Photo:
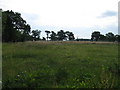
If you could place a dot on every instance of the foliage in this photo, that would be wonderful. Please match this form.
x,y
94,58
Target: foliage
x,y
62,35
117,38
53,36
102,37
47,32
14,27
95,35
110,36
70,35
36,34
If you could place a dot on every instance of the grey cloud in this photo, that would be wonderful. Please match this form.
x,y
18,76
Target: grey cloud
x,y
108,14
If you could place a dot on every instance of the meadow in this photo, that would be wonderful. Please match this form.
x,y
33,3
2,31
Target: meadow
x,y
60,64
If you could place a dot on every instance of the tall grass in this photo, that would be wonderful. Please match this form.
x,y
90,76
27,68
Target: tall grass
x,y
60,65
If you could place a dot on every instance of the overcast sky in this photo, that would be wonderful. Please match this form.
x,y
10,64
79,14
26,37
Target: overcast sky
x,y
82,17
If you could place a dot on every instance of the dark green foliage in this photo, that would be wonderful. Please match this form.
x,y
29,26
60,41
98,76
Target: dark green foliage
x,y
14,27
53,36
110,36
47,32
117,38
95,36
36,34
102,37
70,35
61,35
30,80
43,39
115,69
61,75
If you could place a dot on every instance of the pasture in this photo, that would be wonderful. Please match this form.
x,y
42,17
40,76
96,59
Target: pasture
x,y
60,64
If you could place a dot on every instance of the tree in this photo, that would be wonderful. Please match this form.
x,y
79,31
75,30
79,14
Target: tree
x,y
102,37
26,33
47,32
8,32
43,39
70,35
117,38
110,36
36,34
14,27
61,35
53,36
95,36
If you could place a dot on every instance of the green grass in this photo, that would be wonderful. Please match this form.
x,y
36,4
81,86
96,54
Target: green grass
x,y
60,65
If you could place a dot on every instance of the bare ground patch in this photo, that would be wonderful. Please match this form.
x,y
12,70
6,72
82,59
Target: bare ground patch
x,y
71,42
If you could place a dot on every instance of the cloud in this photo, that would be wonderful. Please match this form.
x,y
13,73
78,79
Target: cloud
x,y
108,14
79,16
31,18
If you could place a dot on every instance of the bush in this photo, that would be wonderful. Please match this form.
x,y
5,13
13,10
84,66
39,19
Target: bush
x,y
30,80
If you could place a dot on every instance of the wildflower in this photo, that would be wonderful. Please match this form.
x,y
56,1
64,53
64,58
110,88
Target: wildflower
x,y
18,75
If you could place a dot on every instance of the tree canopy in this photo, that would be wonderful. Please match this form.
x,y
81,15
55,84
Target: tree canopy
x,y
96,36
14,27
36,34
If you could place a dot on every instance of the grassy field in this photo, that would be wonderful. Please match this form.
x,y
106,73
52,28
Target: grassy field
x,y
60,65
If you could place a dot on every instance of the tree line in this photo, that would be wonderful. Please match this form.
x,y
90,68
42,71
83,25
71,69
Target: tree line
x,y
16,29
51,35
97,36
